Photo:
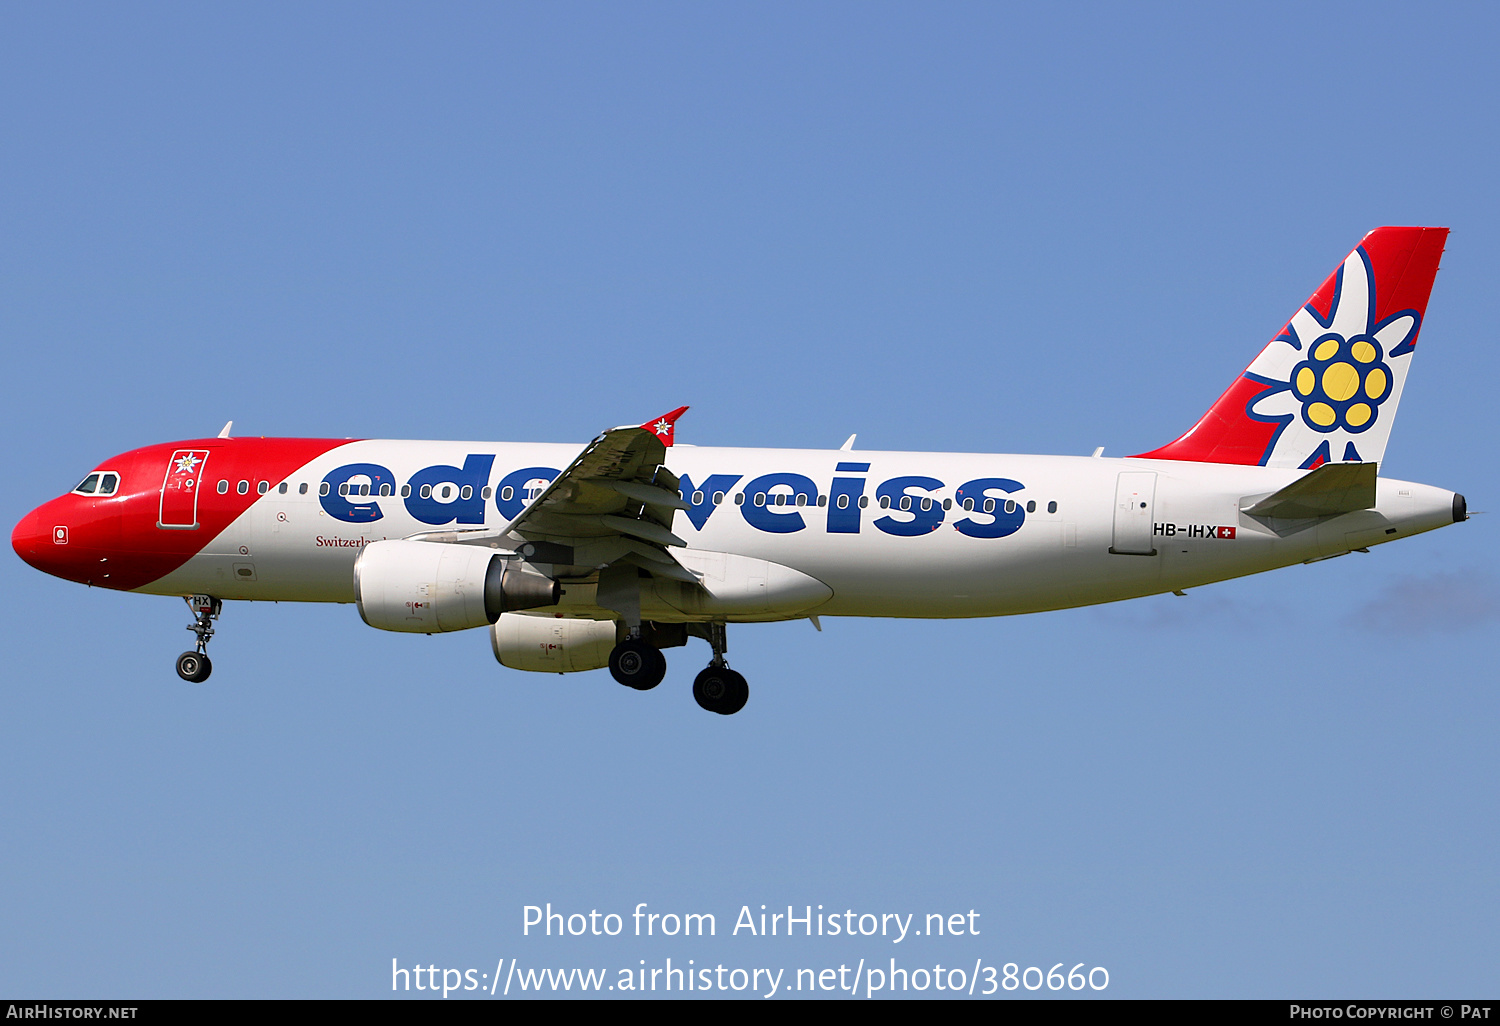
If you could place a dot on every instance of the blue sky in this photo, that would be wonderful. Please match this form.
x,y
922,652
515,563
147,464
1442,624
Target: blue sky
x,y
973,227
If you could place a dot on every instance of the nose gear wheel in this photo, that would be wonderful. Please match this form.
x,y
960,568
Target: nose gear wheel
x,y
194,667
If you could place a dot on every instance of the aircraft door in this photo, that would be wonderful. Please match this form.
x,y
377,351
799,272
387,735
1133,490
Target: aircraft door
x,y
1135,496
179,490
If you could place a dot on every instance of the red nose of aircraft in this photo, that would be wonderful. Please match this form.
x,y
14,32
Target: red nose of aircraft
x,y
29,538
56,540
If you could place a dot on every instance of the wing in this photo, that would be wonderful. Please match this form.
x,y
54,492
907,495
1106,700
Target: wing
x,y
614,503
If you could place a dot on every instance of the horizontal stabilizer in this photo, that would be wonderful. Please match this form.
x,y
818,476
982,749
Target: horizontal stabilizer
x,y
1331,489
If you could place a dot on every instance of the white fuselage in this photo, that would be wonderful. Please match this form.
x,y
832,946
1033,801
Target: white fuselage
x,y
1072,536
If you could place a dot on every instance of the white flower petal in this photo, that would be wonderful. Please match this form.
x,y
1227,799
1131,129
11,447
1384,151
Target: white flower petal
x,y
1396,332
1353,314
1277,360
1277,404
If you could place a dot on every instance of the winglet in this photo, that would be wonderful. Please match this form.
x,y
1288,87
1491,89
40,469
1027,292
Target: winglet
x,y
225,432
665,426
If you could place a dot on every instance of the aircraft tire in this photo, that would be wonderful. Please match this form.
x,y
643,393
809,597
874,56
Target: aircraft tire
x,y
194,667
721,690
637,664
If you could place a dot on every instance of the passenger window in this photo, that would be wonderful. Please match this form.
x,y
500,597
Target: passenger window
x,y
87,485
302,488
466,492
385,489
107,484
885,502
760,498
843,502
864,502
781,500
926,504
822,501
697,498
406,491
364,489
263,487
969,505
989,505
739,498
1051,507
718,498
947,503
506,494
323,488
447,491
344,488
1031,506
243,487
426,491
281,488
486,493
1010,505
905,502
223,487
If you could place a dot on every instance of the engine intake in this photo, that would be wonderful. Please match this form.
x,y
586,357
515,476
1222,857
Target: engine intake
x,y
427,587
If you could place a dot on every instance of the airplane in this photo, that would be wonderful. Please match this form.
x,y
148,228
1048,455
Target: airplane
x,y
576,560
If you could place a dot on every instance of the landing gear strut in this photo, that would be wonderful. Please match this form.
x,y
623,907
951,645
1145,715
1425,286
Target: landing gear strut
x,y
637,663
194,667
718,688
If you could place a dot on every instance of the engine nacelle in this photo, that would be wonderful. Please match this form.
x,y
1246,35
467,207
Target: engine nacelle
x,y
426,587
550,645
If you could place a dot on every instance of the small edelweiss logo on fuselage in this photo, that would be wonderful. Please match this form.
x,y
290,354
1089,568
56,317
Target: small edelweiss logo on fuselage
x,y
185,464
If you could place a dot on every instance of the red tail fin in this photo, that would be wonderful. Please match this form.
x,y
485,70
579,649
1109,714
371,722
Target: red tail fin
x,y
1326,388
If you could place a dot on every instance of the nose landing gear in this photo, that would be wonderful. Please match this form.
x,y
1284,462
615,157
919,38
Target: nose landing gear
x,y
194,667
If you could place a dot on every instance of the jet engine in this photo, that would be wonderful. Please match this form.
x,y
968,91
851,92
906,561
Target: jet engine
x,y
426,587
552,645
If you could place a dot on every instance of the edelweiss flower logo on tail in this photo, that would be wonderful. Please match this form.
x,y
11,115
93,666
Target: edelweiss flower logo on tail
x,y
1327,387
1330,376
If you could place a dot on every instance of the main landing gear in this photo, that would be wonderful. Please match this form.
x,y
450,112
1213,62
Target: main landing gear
x,y
718,688
637,663
194,667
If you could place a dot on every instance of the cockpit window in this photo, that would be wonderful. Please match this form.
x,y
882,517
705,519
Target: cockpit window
x,y
100,482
